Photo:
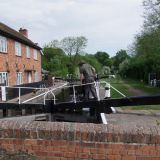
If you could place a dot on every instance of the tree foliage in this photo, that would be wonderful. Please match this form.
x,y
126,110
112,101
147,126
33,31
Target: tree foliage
x,y
151,15
146,50
63,60
73,46
103,58
121,56
54,60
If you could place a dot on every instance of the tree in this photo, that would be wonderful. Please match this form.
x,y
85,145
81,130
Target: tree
x,y
123,67
80,44
120,57
103,58
146,47
52,52
89,58
68,45
147,44
73,45
105,70
53,44
55,61
151,14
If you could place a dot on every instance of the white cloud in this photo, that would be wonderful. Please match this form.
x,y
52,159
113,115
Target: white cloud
x,y
109,25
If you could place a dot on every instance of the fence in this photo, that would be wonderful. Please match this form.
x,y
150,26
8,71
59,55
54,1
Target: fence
x,y
155,83
102,91
11,93
64,92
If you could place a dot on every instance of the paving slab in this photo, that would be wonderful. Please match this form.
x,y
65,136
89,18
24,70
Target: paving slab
x,y
134,118
138,112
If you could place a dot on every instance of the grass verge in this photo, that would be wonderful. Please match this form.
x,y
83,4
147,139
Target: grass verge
x,y
119,84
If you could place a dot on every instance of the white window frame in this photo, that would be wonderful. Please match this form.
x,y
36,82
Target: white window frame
x,y
35,54
28,54
18,50
3,44
19,78
4,78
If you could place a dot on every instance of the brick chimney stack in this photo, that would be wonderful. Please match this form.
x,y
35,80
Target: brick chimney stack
x,y
24,32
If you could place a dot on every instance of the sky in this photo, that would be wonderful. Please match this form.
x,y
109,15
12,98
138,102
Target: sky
x,y
109,25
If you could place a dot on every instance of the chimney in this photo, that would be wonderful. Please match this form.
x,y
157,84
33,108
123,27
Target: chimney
x,y
24,32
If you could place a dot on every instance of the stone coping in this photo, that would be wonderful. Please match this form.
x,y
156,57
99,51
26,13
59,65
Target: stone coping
x,y
80,132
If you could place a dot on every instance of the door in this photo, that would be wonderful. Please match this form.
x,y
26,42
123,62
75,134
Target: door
x,y
29,77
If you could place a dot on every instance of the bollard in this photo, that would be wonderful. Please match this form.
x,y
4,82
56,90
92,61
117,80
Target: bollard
x,y
3,90
108,91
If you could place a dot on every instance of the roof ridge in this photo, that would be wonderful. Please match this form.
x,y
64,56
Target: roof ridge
x,y
16,35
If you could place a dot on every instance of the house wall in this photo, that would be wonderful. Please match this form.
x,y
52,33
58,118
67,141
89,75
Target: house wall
x,y
23,63
75,141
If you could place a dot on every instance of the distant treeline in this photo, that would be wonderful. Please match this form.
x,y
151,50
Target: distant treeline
x,y
145,50
62,58
143,57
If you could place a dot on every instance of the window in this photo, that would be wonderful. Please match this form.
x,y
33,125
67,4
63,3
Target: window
x,y
35,54
36,77
19,78
3,44
27,52
18,48
4,78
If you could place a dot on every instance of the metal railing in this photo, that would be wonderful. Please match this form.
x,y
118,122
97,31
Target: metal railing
x,y
27,88
102,85
45,93
110,86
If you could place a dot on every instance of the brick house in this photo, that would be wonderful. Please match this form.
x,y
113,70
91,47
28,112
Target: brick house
x,y
20,58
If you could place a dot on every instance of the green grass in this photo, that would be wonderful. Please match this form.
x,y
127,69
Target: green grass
x,y
142,86
119,84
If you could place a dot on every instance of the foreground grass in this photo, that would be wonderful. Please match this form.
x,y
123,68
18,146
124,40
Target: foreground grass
x,y
122,88
142,86
119,84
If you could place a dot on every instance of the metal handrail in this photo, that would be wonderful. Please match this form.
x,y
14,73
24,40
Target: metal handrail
x,y
25,87
44,94
65,85
19,90
59,87
74,90
114,88
34,97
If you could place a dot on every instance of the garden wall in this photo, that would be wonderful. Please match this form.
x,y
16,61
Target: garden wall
x,y
73,141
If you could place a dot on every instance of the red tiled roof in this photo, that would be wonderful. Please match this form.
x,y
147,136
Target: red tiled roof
x,y
11,33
